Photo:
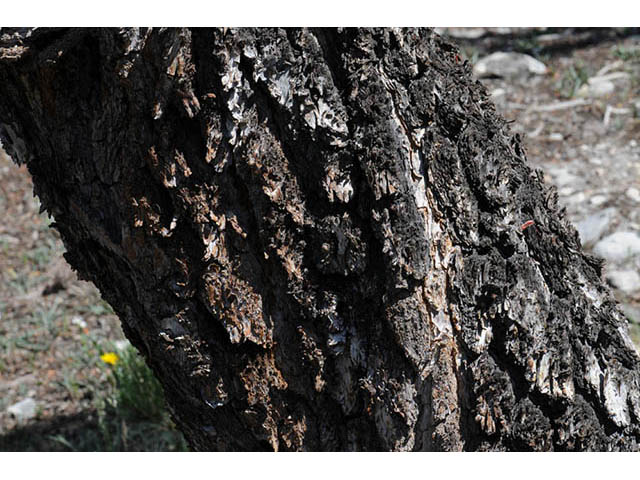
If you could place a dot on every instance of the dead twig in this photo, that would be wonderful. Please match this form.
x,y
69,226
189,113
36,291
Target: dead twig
x,y
579,102
613,110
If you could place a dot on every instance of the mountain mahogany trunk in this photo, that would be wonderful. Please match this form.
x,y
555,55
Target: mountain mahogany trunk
x,y
320,239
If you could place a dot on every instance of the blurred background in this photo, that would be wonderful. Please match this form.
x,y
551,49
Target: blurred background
x,y
70,381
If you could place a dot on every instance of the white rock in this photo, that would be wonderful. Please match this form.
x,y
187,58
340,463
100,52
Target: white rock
x,y
626,280
23,410
618,246
509,65
598,200
592,227
602,85
556,137
633,194
598,88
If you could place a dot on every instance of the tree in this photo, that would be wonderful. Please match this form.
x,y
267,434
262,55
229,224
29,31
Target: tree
x,y
320,239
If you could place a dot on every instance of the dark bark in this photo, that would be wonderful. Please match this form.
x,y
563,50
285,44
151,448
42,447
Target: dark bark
x,y
314,237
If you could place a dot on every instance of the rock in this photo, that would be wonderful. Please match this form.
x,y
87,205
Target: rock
x,y
598,200
23,410
626,280
556,137
633,194
509,65
601,85
596,89
618,246
592,227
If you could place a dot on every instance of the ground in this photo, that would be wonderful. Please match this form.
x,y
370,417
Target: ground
x,y
54,328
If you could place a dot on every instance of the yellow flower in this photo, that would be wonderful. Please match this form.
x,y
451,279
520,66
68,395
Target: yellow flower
x,y
110,358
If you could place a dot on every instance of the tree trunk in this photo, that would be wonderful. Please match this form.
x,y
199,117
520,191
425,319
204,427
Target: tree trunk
x,y
320,239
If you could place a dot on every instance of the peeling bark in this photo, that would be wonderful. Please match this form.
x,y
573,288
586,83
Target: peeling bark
x,y
320,239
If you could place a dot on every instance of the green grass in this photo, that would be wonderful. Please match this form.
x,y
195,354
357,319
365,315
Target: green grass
x,y
130,407
627,54
40,256
132,413
100,308
572,79
138,393
528,45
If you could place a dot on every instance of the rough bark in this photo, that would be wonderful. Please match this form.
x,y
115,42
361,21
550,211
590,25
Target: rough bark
x,y
315,238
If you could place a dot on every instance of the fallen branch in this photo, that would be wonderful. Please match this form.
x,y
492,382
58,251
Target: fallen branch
x,y
579,102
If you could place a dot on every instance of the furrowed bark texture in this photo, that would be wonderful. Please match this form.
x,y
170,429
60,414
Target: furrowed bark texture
x,y
314,237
